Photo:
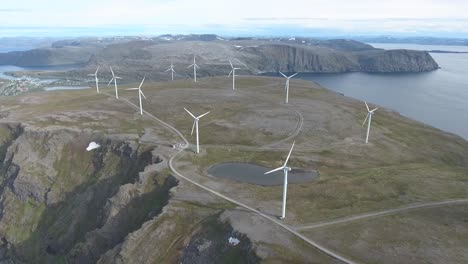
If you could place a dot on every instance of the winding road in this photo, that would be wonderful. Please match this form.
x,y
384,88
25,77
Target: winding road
x,y
272,219
381,213
290,229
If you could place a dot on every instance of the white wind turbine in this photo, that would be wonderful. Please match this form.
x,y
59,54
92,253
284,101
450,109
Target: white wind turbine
x,y
285,169
369,116
195,66
233,72
140,93
195,125
172,71
287,84
114,78
97,80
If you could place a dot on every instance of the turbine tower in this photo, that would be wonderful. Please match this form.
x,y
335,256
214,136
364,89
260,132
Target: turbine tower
x,y
140,93
114,78
195,66
97,80
195,125
285,169
172,71
233,71
369,116
287,84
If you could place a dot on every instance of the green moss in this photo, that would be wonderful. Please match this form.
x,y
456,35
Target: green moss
x,y
25,219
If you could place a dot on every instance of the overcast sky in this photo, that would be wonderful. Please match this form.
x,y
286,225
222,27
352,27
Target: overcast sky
x,y
354,17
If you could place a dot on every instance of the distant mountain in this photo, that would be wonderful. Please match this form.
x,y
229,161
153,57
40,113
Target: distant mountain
x,y
135,56
414,40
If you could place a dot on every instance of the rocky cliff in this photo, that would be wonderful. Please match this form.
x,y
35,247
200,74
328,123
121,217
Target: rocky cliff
x,y
135,58
62,204
396,61
59,202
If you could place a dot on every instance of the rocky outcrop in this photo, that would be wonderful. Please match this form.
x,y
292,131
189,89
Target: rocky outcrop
x,y
48,56
210,244
305,59
288,58
59,202
396,61
150,58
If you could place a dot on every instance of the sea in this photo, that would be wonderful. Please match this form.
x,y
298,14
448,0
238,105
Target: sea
x,y
438,98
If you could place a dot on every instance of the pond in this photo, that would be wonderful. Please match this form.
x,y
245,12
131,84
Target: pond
x,y
255,174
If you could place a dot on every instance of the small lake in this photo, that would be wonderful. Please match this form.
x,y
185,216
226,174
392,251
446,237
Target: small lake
x,y
255,174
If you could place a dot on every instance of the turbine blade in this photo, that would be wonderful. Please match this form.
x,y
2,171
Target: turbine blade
x,y
197,66
365,119
230,62
289,155
97,70
167,70
139,87
131,89
203,115
91,74
190,113
143,95
193,127
366,106
283,75
230,73
190,66
372,111
117,77
277,169
112,71
293,75
110,81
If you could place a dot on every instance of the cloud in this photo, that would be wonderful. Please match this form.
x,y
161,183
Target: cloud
x,y
14,10
355,16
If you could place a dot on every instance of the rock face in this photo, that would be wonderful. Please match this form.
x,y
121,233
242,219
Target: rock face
x,y
60,202
396,61
150,57
211,245
273,58
48,56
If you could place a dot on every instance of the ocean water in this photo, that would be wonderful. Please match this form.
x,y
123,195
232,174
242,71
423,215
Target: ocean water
x,y
438,98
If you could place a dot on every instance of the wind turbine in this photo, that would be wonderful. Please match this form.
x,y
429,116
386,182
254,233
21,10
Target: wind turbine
x,y
195,125
369,115
97,80
195,66
287,84
114,78
172,71
233,71
140,93
285,169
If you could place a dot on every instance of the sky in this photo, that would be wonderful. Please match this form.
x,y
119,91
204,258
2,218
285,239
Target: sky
x,y
236,17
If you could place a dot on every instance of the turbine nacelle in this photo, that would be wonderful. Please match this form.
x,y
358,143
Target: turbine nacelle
x,y
114,78
285,170
195,125
139,88
284,167
288,77
369,112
